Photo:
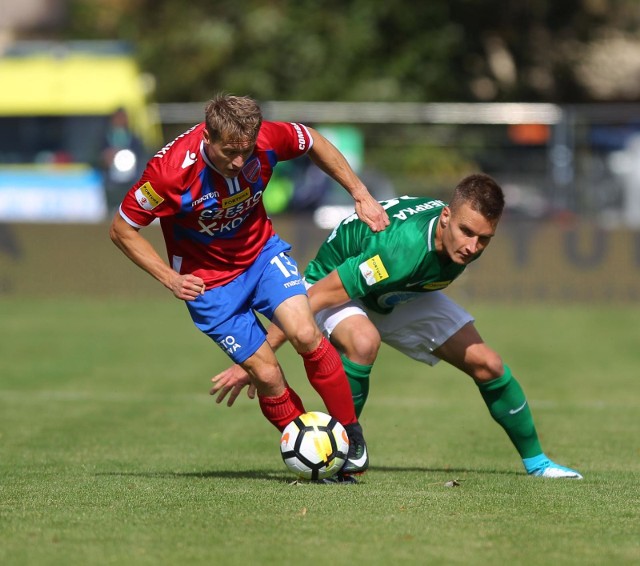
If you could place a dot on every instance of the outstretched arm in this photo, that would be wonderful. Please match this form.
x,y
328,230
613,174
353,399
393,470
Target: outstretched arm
x,y
143,254
328,292
328,158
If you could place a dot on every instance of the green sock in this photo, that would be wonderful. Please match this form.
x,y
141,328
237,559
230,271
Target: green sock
x,y
358,376
509,408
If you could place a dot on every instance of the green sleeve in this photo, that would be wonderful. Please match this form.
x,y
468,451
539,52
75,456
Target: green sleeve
x,y
384,264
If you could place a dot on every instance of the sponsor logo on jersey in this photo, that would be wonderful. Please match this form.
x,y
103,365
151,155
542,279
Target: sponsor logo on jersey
x,y
251,170
390,300
215,220
189,159
302,142
208,196
147,198
373,270
237,198
436,285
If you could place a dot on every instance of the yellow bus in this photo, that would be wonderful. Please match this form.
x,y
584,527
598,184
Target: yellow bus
x,y
58,108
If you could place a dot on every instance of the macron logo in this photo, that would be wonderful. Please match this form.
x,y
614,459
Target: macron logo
x,y
189,159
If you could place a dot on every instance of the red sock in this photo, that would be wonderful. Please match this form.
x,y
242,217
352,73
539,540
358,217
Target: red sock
x,y
327,377
280,411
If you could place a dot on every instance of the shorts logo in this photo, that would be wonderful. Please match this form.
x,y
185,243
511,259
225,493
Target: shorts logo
x,y
251,170
373,270
293,283
229,344
147,198
236,199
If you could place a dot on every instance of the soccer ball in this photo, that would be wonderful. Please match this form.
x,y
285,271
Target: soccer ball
x,y
314,446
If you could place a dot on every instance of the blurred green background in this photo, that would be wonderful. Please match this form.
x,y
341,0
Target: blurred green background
x,y
545,96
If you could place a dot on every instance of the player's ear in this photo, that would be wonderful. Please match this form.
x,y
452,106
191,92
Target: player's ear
x,y
206,136
445,216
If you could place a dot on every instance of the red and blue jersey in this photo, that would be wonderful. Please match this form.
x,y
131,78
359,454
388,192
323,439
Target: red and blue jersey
x,y
214,227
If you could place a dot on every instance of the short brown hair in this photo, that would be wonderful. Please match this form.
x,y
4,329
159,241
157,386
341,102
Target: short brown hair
x,y
482,193
233,118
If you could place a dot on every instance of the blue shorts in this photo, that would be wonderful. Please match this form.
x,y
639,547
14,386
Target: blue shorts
x,y
227,314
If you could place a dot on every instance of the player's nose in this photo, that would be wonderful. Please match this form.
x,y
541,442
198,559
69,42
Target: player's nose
x,y
238,162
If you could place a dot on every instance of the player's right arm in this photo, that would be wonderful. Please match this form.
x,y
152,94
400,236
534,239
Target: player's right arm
x,y
330,160
328,292
140,251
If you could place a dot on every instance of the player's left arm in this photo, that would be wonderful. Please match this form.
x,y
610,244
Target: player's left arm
x,y
328,158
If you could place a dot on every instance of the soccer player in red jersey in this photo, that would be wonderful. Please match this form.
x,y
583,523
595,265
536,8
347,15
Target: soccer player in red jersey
x,y
226,261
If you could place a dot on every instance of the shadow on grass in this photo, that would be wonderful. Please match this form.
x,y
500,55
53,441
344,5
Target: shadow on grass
x,y
413,469
221,474
287,478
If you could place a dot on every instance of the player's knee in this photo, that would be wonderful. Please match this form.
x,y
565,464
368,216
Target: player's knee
x,y
270,376
306,337
488,367
363,346
266,375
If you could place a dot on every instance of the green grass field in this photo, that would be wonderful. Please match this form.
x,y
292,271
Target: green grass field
x,y
112,451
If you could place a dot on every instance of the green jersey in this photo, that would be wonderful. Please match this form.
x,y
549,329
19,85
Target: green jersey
x,y
383,269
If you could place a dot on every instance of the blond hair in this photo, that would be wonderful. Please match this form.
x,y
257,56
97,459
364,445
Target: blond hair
x,y
233,118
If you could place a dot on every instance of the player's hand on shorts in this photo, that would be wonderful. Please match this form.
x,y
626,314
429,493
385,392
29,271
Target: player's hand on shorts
x,y
231,382
187,287
370,211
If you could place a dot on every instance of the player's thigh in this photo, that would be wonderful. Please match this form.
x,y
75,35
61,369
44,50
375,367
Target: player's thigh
x,y
457,349
467,351
277,279
295,319
419,327
357,338
350,331
328,319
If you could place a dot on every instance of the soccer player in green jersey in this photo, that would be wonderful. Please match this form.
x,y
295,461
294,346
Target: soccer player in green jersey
x,y
367,288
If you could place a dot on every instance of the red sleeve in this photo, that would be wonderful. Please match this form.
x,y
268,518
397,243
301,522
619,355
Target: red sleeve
x,y
151,197
159,191
288,139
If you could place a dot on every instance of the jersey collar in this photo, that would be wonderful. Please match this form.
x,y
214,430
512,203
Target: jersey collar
x,y
431,234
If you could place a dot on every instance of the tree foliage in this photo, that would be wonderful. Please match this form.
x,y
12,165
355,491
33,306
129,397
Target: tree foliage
x,y
375,50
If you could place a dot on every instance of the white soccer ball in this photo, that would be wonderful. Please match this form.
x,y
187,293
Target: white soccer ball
x,y
314,446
